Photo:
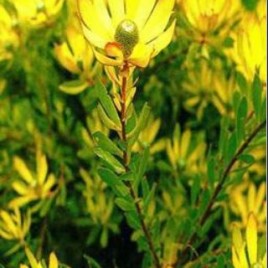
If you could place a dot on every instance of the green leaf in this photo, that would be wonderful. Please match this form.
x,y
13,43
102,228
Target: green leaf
x,y
204,201
91,262
110,159
257,96
263,110
223,135
250,4
247,158
109,177
106,120
107,104
262,246
131,122
148,198
241,115
242,83
113,181
236,100
104,237
73,87
106,144
221,262
232,146
211,164
141,167
124,204
195,189
133,220
141,124
129,176
145,187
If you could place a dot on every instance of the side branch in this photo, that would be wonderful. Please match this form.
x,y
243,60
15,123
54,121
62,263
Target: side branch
x,y
218,189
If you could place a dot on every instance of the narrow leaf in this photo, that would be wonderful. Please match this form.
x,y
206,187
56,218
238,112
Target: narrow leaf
x,y
106,120
211,171
240,119
125,204
113,181
73,87
106,144
107,104
247,158
257,96
109,159
142,121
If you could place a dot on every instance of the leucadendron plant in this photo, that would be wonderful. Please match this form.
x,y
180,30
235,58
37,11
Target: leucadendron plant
x,y
125,36
132,133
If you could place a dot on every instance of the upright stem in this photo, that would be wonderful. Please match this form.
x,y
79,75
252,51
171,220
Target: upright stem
x,y
125,162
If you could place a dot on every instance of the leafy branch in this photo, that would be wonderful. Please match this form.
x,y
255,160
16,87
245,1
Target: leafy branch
x,y
218,189
125,162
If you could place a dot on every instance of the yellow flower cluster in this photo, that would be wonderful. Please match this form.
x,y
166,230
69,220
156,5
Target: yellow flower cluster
x,y
245,251
250,42
99,206
74,55
8,41
147,138
181,155
126,31
246,198
34,263
207,84
8,36
37,12
208,16
13,226
32,186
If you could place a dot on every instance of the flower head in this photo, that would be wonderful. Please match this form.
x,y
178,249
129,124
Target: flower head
x,y
37,12
182,154
34,263
147,137
32,186
245,251
8,36
13,226
249,51
246,198
74,54
208,16
126,31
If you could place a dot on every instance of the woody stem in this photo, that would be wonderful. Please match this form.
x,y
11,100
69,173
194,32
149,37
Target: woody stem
x,y
125,162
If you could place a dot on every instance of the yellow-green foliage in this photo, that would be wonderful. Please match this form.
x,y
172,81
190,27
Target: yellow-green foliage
x,y
132,133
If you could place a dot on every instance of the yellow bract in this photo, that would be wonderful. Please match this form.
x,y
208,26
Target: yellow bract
x,y
207,84
245,250
246,198
8,36
34,263
147,138
127,31
181,155
32,186
207,16
37,12
13,226
99,205
75,55
249,49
